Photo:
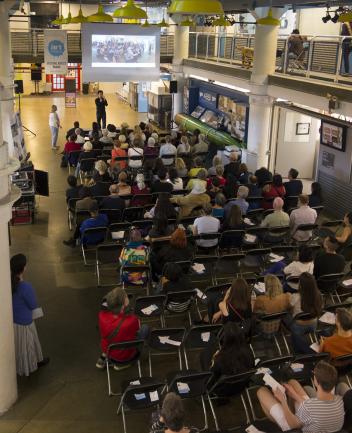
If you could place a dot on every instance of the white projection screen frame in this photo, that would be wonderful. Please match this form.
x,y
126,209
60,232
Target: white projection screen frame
x,y
120,52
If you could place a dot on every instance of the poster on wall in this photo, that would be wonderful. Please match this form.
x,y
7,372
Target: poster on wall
x,y
18,137
333,135
55,52
70,99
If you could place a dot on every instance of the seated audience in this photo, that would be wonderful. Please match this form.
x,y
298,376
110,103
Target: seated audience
x,y
86,200
88,152
201,145
99,189
74,189
72,146
304,263
233,167
150,149
219,171
273,300
244,174
163,206
172,417
118,316
95,132
135,149
124,188
346,236
303,215
71,131
138,189
137,133
294,186
157,165
134,253
315,197
167,148
194,137
113,201
112,133
161,228
263,176
105,139
214,188
328,261
278,218
79,137
313,411
184,146
340,343
233,221
181,167
206,224
195,199
273,190
254,189
118,152
162,184
197,166
201,177
216,161
175,180
123,140
233,357
218,207
175,280
101,174
240,201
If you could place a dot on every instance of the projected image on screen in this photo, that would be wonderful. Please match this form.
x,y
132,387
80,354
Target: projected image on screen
x,y
121,51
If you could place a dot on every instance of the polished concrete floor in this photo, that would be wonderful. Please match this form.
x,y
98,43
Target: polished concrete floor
x,y
69,395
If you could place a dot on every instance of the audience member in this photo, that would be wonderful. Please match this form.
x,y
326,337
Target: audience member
x,y
138,189
95,132
216,161
118,152
88,153
135,151
233,167
273,300
174,279
197,165
195,199
28,350
124,187
244,174
201,177
71,131
167,149
134,253
294,186
101,174
150,149
278,218
79,137
206,224
184,146
161,184
201,145
113,201
328,261
86,200
218,207
105,139
112,133
303,215
72,146
163,206
240,201
161,228
263,176
304,263
175,180
74,189
315,411
254,189
340,343
181,167
273,190
315,197
345,238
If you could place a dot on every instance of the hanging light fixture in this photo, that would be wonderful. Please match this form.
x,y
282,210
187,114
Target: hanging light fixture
x,y
196,7
146,24
221,22
79,18
269,20
69,16
345,17
100,16
58,21
163,23
131,11
187,23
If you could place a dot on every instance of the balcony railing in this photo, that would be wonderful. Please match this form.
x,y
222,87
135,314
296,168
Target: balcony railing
x,y
321,58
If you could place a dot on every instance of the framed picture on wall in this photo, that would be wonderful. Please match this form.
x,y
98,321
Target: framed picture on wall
x,y
333,135
302,128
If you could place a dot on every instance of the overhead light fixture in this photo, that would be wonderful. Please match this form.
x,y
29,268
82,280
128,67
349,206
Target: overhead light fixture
x,y
221,22
196,7
100,16
58,21
327,17
335,18
146,24
163,23
67,20
130,11
79,18
269,20
187,23
345,17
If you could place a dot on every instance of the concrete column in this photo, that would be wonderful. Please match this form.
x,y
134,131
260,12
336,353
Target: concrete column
x,y
6,74
258,131
181,41
8,384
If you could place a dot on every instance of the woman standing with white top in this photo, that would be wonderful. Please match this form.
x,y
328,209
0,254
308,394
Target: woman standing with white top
x,y
54,123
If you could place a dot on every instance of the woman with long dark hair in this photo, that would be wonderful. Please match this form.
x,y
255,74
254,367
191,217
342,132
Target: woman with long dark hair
x,y
316,196
271,191
29,355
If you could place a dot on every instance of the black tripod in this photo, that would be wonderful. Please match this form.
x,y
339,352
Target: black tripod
x,y
19,109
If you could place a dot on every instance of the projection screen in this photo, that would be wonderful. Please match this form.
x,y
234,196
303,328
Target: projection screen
x,y
120,52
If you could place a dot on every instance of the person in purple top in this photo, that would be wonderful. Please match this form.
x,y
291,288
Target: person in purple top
x,y
28,349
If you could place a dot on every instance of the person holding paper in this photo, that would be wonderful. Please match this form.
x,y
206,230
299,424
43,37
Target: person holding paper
x,y
318,410
341,342
29,356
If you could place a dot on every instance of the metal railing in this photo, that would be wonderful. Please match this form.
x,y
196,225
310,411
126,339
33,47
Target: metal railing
x,y
30,44
322,56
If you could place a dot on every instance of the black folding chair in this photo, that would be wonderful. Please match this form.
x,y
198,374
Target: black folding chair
x,y
343,365
191,385
136,345
228,266
308,230
255,215
269,325
166,341
71,208
86,167
180,303
258,232
256,259
72,159
329,283
309,361
149,308
209,263
114,215
231,239
131,214
230,386
133,288
138,397
207,237
88,243
288,251
107,259
200,336
276,235
118,230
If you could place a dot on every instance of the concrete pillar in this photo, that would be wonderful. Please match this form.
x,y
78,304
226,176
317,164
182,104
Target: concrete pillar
x,y
6,74
8,384
181,41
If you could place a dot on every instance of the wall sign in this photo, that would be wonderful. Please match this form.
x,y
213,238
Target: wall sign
x,y
55,52
302,128
328,160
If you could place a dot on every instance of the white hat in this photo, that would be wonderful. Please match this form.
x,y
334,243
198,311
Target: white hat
x,y
198,187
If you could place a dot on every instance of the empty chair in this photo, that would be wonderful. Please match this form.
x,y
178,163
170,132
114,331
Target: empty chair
x,y
256,259
86,167
180,302
231,239
114,215
107,259
132,213
90,238
149,308
207,273
228,266
276,235
269,325
72,159
166,341
255,215
288,251
118,230
329,283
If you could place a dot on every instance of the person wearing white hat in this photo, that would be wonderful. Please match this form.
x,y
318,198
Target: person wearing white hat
x,y
197,197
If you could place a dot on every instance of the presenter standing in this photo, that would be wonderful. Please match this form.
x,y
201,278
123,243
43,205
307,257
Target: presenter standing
x,y
101,103
54,124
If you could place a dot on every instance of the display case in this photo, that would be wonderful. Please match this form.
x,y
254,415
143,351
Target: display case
x,y
159,109
23,208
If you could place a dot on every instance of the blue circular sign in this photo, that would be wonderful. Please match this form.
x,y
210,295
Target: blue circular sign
x,y
56,48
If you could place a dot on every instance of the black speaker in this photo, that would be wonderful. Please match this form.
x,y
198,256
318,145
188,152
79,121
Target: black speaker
x,y
18,86
36,72
173,86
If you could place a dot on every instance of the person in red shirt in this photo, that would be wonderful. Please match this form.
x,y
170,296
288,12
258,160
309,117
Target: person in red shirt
x,y
118,324
72,146
117,152
273,190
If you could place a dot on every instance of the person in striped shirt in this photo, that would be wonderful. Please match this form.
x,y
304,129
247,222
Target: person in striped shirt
x,y
319,410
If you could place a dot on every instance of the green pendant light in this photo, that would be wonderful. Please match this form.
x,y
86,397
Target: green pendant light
x,y
146,24
163,23
345,17
131,11
100,16
269,20
79,18
196,7
221,22
187,23
58,21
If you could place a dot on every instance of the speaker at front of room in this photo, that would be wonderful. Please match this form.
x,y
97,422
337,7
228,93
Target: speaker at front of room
x,y
36,72
173,86
18,86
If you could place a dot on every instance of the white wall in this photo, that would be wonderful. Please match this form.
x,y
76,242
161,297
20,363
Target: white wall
x,y
20,22
310,23
298,151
